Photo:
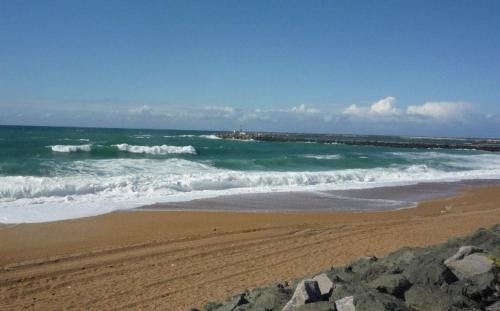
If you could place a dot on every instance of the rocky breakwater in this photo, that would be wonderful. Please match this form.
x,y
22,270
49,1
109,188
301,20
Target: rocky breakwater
x,y
492,145
462,274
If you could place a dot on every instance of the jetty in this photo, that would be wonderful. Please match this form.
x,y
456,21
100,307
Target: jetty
x,y
492,145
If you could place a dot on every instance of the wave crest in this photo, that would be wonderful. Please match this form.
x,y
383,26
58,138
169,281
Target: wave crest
x,y
163,149
91,187
71,148
324,156
210,136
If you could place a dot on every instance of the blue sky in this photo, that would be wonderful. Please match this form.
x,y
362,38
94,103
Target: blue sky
x,y
380,67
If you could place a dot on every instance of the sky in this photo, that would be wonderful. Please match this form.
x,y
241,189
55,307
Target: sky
x,y
364,67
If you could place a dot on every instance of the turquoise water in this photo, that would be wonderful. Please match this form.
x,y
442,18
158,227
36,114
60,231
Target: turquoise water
x,y
58,173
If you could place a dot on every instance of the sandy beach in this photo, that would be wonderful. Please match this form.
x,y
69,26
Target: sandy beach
x,y
176,259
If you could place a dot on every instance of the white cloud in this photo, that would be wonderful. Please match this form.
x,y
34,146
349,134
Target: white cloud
x,y
217,111
255,116
304,109
223,109
355,110
260,114
439,110
381,108
385,106
145,109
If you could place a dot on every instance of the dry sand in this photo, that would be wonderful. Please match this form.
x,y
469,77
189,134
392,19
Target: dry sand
x,y
175,260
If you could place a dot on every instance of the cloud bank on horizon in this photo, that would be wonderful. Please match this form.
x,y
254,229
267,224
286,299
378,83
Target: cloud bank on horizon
x,y
386,107
383,116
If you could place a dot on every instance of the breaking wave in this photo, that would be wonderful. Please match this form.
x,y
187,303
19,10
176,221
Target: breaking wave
x,y
163,149
71,148
91,187
323,156
210,136
179,136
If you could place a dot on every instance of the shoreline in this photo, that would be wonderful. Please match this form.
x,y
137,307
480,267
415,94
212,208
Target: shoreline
x,y
175,260
381,198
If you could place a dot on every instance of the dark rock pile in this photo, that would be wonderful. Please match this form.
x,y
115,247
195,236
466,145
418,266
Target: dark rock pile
x,y
462,274
370,140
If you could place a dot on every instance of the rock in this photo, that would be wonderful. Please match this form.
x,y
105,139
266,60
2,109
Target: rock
x,y
307,291
345,304
403,256
393,284
325,285
236,301
432,298
420,298
481,288
269,298
462,252
484,238
429,272
470,266
493,307
368,299
318,306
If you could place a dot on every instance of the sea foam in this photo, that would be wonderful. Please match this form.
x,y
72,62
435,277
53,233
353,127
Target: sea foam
x,y
70,148
210,136
163,149
91,187
323,156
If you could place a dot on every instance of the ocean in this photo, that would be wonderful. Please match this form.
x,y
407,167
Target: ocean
x,y
49,173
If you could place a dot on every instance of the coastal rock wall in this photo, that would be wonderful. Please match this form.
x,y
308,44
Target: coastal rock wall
x,y
380,141
462,274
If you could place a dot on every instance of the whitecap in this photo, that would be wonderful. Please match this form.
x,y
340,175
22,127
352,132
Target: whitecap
x,y
179,136
210,136
91,187
324,156
163,149
70,148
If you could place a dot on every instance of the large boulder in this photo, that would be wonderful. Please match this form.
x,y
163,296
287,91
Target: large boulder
x,y
307,291
366,298
325,285
345,304
429,271
481,288
393,284
270,298
462,252
430,298
467,266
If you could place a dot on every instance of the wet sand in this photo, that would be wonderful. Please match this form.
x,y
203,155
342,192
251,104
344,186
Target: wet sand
x,y
174,260
353,200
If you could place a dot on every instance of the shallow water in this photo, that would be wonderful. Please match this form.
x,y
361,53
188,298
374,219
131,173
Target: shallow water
x,y
59,173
